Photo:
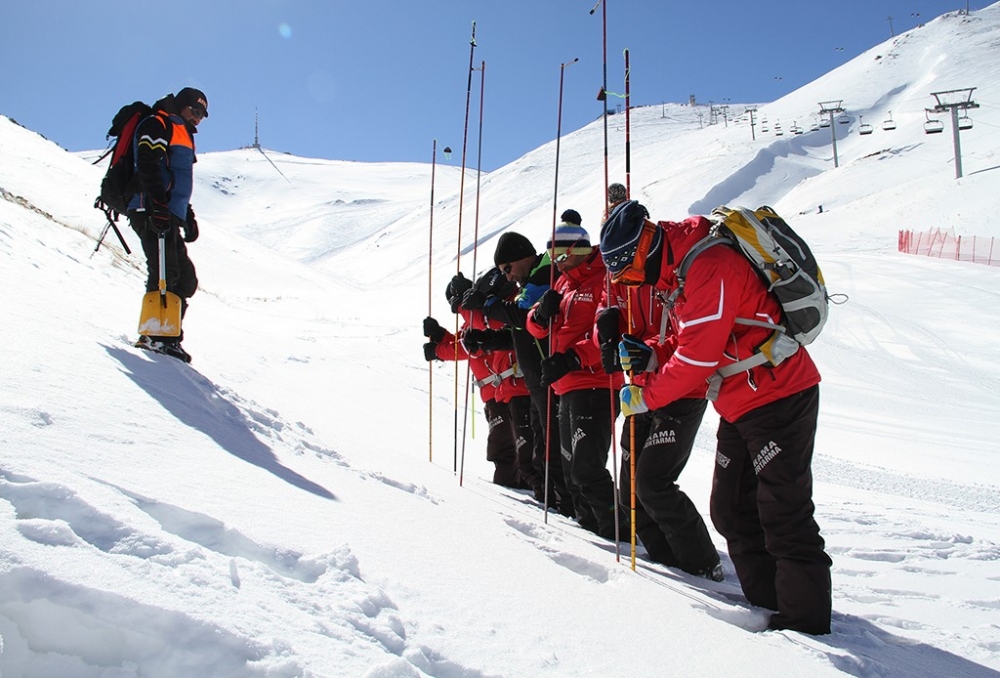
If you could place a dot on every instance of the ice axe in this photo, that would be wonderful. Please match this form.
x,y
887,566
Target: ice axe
x,y
161,310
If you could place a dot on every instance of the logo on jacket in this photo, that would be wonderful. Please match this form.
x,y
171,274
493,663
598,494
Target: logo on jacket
x,y
722,460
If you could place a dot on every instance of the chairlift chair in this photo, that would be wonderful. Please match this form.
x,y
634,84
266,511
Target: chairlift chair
x,y
825,122
889,124
933,125
864,128
844,119
965,122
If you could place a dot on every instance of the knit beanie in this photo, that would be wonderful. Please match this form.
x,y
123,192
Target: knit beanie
x,y
620,235
570,239
189,96
512,247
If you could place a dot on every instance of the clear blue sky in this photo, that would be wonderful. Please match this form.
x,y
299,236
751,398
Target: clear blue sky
x,y
379,80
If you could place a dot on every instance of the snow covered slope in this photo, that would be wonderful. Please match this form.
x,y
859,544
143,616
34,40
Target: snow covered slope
x,y
271,510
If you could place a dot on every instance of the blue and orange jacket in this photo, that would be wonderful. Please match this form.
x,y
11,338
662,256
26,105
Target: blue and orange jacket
x,y
164,161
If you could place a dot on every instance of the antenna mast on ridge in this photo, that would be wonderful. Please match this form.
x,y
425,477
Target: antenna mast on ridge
x,y
256,145
256,138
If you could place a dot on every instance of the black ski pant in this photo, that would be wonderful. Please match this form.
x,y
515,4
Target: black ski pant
x,y
586,430
762,504
667,521
500,445
559,495
524,438
181,277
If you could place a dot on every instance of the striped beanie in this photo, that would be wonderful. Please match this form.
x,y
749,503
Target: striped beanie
x,y
570,239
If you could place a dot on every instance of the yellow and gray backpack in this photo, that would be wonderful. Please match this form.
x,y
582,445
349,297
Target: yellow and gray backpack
x,y
789,271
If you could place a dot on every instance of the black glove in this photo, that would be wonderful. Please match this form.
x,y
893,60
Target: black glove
x,y
608,326
635,355
557,366
430,351
473,300
190,226
547,307
159,217
493,283
472,340
458,286
609,357
487,340
433,330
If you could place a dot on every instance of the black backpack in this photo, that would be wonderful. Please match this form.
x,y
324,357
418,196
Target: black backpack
x,y
120,182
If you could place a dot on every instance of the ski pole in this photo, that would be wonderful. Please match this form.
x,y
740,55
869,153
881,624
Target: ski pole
x,y
475,252
628,130
552,282
631,456
430,286
458,254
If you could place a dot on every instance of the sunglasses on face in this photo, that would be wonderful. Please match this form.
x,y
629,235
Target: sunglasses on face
x,y
507,268
634,274
568,253
198,111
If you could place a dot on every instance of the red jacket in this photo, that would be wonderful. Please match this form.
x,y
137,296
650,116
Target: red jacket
x,y
721,286
641,315
573,328
487,366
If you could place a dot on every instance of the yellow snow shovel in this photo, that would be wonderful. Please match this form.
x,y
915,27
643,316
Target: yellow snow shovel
x,y
161,310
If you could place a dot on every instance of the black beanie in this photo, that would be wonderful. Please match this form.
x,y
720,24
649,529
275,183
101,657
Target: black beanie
x,y
512,247
189,96
571,217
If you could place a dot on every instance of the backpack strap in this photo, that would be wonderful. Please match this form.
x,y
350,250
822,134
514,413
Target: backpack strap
x,y
681,273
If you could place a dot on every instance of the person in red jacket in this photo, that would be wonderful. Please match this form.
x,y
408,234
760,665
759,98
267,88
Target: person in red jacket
x,y
490,371
762,488
666,520
566,314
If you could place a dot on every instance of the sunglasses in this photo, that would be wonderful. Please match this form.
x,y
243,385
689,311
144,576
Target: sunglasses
x,y
507,268
634,274
568,253
198,111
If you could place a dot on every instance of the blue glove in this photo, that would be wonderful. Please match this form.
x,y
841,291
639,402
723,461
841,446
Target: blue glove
x,y
635,355
632,400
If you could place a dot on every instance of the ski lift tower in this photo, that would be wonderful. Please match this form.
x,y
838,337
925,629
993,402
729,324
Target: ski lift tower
x,y
751,110
952,101
831,108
